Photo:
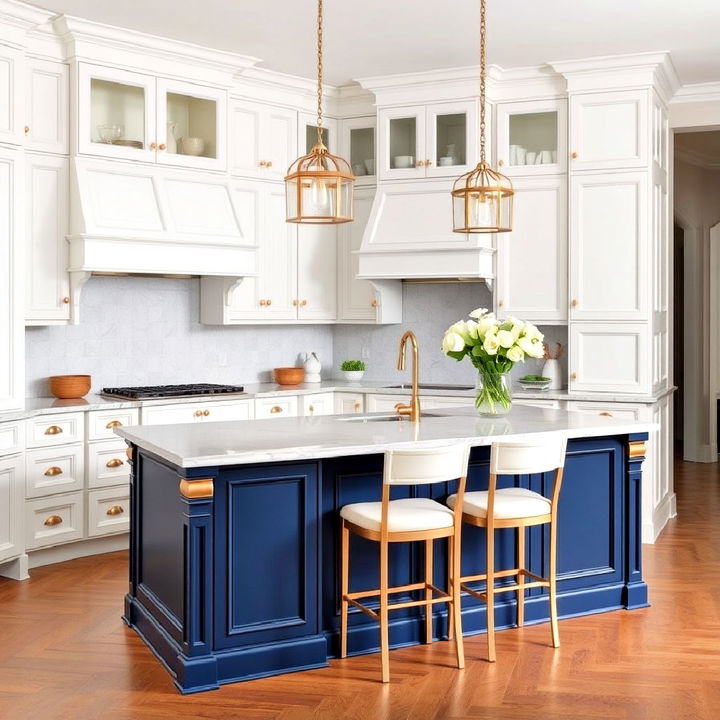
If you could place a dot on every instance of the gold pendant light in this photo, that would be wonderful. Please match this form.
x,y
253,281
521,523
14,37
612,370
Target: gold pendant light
x,y
482,198
319,185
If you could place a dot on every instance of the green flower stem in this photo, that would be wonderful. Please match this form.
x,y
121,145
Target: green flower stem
x,y
495,392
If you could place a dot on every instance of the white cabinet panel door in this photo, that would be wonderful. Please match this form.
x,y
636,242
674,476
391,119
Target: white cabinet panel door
x,y
349,403
47,115
53,520
609,130
609,357
609,246
11,506
245,121
275,407
47,282
278,258
11,95
317,404
532,260
317,272
401,143
278,141
108,511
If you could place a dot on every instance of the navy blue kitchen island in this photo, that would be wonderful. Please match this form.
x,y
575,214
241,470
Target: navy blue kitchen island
x,y
234,567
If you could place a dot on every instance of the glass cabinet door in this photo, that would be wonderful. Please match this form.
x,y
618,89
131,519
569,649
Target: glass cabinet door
x,y
191,125
358,148
116,113
307,129
401,151
451,147
532,137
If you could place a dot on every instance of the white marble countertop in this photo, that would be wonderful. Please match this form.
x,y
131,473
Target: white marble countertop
x,y
310,438
51,405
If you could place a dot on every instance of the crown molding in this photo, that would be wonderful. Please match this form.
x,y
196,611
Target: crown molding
x,y
698,92
17,18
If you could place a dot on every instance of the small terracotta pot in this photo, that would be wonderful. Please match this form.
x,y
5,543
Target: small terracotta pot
x,y
289,375
69,386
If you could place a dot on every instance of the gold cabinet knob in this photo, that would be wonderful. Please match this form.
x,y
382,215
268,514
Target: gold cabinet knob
x,y
357,407
295,303
303,303
162,146
275,409
311,408
197,413
374,303
573,376
153,146
113,424
268,163
53,430
53,520
500,163
205,413
574,156
606,414
27,129
115,462
268,302
262,163
115,510
53,471
420,163
66,300
428,163
501,303
575,302
263,302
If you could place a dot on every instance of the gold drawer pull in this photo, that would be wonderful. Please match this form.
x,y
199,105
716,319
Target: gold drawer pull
x,y
113,424
573,376
358,407
275,409
268,163
115,462
128,452
53,471
66,300
311,408
198,413
574,155
374,304
53,520
53,430
606,414
205,412
115,510
27,129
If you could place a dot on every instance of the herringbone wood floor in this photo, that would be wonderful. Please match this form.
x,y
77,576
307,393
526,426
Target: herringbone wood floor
x,y
65,654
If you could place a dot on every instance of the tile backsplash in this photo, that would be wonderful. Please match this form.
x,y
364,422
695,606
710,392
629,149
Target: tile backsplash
x,y
146,331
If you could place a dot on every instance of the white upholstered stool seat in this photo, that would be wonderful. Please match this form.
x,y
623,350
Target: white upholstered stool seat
x,y
509,503
405,515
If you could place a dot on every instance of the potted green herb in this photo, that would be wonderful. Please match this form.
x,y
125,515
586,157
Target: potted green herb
x,y
353,370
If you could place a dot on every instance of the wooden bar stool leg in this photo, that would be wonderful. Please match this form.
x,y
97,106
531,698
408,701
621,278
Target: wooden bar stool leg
x,y
384,629
428,591
450,588
454,561
520,578
490,594
553,585
344,587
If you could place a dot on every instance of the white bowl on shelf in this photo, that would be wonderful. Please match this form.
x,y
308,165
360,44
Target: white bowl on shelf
x,y
403,161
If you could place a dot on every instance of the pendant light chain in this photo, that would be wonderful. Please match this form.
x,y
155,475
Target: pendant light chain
x,y
483,55
319,70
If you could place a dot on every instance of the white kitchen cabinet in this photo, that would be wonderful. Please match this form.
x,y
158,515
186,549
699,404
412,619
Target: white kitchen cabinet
x,y
11,95
317,404
357,146
623,411
436,402
609,357
12,483
609,130
101,424
316,273
170,122
532,260
211,411
275,407
108,511
531,137
347,403
49,471
107,463
609,246
436,140
47,281
12,343
56,429
55,519
378,402
263,140
545,404
307,133
47,114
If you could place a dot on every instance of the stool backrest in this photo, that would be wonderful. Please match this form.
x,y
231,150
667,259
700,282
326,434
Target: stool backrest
x,y
527,458
426,465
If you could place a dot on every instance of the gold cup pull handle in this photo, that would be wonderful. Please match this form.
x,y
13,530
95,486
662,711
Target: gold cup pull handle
x,y
53,471
115,510
113,424
275,409
53,520
53,430
606,414
115,462
357,407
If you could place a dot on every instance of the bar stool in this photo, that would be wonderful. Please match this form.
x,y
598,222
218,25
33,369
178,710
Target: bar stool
x,y
518,508
408,520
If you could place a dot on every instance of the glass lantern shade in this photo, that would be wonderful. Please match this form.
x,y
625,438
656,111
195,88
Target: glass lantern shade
x,y
319,189
482,202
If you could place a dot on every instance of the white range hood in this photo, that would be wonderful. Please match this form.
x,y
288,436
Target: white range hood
x,y
409,237
155,220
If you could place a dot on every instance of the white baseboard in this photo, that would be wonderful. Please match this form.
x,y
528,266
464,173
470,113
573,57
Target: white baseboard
x,y
665,511
74,550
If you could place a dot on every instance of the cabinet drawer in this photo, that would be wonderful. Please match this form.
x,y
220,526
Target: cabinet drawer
x,y
437,403
197,412
108,511
319,404
276,407
552,404
53,520
349,403
54,470
61,429
102,423
11,438
107,463
623,411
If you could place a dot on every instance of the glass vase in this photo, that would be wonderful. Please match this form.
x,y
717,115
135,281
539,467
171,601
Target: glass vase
x,y
492,394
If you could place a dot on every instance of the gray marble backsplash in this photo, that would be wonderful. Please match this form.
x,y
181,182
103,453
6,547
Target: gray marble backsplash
x,y
146,331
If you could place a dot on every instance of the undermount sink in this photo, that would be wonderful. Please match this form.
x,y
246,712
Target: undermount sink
x,y
427,386
378,418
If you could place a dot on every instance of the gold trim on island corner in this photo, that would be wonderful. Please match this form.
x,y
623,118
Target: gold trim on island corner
x,y
200,488
637,449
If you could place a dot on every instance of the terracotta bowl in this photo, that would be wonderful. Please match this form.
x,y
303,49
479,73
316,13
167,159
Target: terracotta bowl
x,y
289,375
69,386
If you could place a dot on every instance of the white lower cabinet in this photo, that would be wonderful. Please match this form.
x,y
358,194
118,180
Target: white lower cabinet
x,y
622,411
53,470
317,404
349,403
101,424
55,519
108,511
196,412
383,403
12,471
274,407
59,429
433,402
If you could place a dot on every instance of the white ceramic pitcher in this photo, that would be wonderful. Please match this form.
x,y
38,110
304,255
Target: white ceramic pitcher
x,y
312,368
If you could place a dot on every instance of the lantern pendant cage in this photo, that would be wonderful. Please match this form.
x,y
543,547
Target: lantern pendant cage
x,y
319,185
482,198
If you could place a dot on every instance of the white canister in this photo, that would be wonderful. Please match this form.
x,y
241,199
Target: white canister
x,y
551,369
530,157
520,156
312,368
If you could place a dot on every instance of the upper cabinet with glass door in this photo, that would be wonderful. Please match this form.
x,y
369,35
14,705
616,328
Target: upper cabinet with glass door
x,y
307,133
438,140
532,137
134,116
358,148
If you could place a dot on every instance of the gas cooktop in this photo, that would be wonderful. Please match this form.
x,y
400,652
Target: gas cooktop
x,y
148,392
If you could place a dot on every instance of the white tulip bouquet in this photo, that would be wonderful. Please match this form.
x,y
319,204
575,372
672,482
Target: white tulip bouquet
x,y
493,347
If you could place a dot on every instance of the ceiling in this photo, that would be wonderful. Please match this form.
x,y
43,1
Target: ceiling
x,y
380,37
699,148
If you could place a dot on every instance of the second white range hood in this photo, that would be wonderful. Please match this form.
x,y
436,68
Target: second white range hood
x,y
409,237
